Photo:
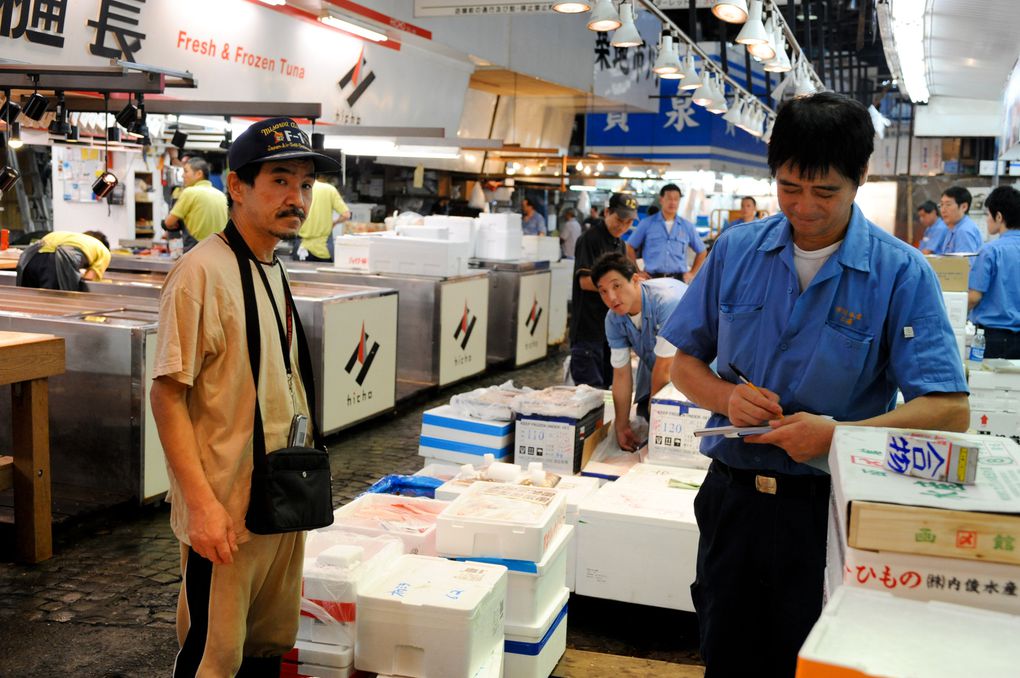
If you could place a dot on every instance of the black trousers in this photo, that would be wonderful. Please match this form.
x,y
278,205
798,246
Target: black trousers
x,y
1000,343
589,363
760,569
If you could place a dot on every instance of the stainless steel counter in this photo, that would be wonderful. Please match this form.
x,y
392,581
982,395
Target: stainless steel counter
x,y
518,310
442,323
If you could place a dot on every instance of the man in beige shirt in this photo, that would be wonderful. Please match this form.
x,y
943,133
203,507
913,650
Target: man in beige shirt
x,y
240,595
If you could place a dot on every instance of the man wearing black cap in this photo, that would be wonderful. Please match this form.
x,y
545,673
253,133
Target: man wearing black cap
x,y
240,595
589,352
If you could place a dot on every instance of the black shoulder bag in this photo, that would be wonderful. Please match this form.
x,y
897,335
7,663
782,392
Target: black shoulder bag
x,y
290,488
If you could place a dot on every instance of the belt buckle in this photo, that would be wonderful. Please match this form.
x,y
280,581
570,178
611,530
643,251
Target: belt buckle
x,y
765,484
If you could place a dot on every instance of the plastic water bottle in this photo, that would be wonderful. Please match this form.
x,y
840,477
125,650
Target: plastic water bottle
x,y
977,349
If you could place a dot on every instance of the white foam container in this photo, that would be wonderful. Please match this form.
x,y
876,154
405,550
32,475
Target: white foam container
x,y
431,618
331,656
492,668
638,544
448,434
533,587
540,248
497,520
500,221
436,468
415,540
419,256
659,477
498,245
673,419
426,231
292,670
577,488
352,253
532,651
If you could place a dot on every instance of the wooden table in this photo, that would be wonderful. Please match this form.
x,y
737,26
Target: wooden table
x,y
8,264
26,360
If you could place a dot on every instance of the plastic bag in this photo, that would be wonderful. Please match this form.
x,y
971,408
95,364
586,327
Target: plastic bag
x,y
406,486
492,403
560,401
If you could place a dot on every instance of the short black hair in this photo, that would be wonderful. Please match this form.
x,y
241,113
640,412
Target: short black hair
x,y
823,131
653,210
960,195
928,206
670,187
100,236
1005,200
247,175
748,197
198,164
612,261
569,213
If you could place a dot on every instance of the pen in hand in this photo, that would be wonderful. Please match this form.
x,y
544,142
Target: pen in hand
x,y
745,380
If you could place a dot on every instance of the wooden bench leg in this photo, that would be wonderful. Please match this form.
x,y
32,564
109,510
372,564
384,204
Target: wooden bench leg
x,y
33,523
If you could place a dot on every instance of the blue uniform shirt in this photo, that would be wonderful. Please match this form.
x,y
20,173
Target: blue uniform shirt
x,y
996,275
871,321
935,237
534,225
964,237
659,298
665,252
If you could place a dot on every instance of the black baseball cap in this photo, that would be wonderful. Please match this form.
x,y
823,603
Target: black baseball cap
x,y
276,139
622,205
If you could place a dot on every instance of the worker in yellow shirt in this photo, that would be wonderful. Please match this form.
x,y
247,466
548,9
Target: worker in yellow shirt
x,y
201,209
56,261
316,233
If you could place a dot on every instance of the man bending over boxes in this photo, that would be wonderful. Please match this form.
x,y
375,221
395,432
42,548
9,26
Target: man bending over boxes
x,y
637,312
827,316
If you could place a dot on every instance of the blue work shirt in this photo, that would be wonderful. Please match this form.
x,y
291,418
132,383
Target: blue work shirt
x,y
964,237
534,225
996,275
872,320
665,252
934,237
659,298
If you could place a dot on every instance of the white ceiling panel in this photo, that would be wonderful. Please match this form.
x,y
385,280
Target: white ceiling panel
x,y
972,46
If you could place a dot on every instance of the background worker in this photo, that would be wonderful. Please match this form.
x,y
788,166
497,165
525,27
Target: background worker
x,y
570,231
589,352
748,211
994,294
316,233
201,208
935,230
662,240
637,313
61,260
534,222
828,315
963,234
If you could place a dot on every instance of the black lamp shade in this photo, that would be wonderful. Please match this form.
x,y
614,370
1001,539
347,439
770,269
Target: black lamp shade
x,y
318,141
72,133
113,133
59,127
35,107
179,139
10,111
102,186
127,115
8,177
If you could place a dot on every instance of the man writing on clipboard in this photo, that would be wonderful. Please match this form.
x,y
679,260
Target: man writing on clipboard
x,y
828,316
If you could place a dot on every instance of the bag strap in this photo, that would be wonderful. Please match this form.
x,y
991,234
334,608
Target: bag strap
x,y
244,255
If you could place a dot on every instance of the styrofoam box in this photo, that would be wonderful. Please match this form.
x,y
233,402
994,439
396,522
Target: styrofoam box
x,y
452,489
1003,400
426,231
492,668
292,670
419,256
419,537
446,434
660,477
352,253
995,423
331,656
540,248
500,221
336,563
533,650
673,421
936,640
437,468
533,587
498,245
577,488
458,228
495,520
989,379
638,545
956,308
431,618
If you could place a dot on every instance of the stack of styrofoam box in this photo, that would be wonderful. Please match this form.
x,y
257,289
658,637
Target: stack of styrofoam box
x,y
552,425
577,489
956,309
353,253
410,519
995,402
673,421
933,560
448,435
426,231
361,211
499,237
521,527
427,617
560,287
944,640
540,248
336,564
458,228
419,256
491,668
619,523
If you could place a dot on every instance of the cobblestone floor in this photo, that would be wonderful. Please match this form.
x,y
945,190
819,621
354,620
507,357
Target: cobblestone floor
x,y
104,605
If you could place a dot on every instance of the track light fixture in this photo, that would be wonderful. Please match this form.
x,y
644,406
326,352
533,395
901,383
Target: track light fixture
x,y
179,139
666,61
228,135
753,32
571,7
8,177
35,107
127,116
766,51
107,181
691,79
10,110
730,11
604,17
627,34
59,126
72,132
14,135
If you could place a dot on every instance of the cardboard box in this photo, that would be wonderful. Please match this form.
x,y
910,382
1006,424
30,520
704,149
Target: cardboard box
x,y
932,457
673,420
952,271
911,505
911,638
562,444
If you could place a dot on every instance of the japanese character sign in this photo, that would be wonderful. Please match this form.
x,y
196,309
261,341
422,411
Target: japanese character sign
x,y
117,22
38,21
